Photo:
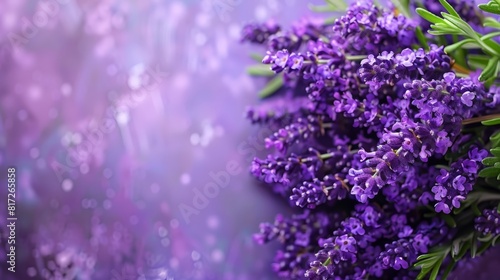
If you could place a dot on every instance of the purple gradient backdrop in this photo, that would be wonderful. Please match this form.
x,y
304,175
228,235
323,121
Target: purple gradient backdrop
x,y
114,113
104,204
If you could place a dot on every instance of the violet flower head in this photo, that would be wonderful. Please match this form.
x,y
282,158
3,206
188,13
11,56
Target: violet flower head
x,y
452,186
285,170
317,192
368,29
388,69
300,234
489,222
296,132
259,33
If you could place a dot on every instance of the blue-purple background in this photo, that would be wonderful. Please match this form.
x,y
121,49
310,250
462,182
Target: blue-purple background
x,y
165,86
114,113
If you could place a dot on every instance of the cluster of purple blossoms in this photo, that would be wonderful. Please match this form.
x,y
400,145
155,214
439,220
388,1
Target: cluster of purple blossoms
x,y
301,236
279,110
259,33
363,128
358,240
489,222
300,130
466,9
366,28
389,69
429,124
452,186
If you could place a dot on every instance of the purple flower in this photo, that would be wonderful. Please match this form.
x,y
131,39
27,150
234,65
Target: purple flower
x,y
406,58
354,226
467,98
369,29
286,171
346,243
452,186
489,222
281,58
302,129
439,192
311,194
295,61
259,33
389,69
298,233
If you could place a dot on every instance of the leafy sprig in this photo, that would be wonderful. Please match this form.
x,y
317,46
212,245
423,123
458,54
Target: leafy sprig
x,y
491,7
469,242
330,6
492,163
451,23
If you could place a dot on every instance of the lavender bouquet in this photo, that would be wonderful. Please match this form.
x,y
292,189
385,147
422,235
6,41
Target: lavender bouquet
x,y
386,141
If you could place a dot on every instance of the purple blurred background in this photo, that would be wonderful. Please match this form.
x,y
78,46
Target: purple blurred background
x,y
116,116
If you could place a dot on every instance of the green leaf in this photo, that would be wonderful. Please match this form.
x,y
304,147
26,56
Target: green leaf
x,y
339,4
489,172
330,20
273,85
486,238
322,9
475,209
495,240
495,152
495,136
402,7
449,220
489,72
495,139
491,122
449,8
448,270
478,61
457,45
485,246
490,8
444,32
423,271
473,246
490,35
435,270
421,38
429,16
260,70
455,249
490,161
446,26
461,24
257,57
491,22
431,262
493,182
463,250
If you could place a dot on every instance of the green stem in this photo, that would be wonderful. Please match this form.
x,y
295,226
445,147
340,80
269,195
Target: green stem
x,y
325,156
480,119
461,75
355,57
348,57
